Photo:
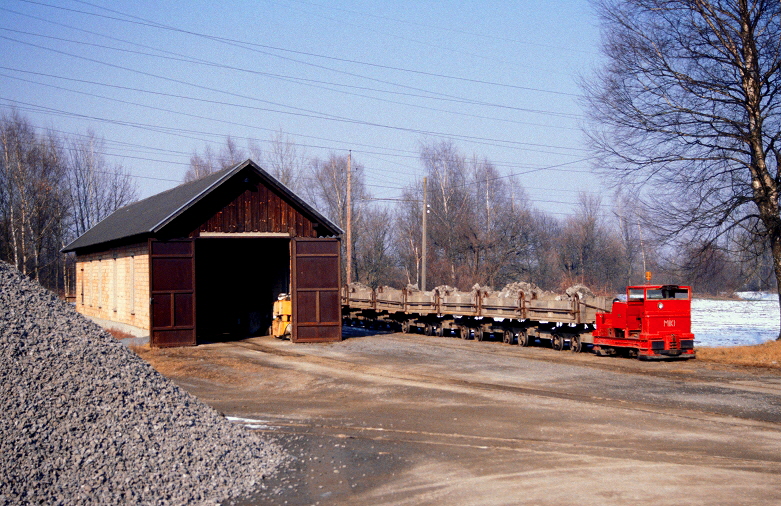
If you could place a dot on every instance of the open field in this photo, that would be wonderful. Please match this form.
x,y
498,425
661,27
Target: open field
x,y
408,419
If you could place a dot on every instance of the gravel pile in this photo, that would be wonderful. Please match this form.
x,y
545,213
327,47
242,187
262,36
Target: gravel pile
x,y
85,420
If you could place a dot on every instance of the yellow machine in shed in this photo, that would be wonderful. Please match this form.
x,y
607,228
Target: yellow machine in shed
x,y
282,316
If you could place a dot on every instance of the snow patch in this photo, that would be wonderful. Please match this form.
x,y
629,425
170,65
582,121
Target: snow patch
x,y
735,322
757,296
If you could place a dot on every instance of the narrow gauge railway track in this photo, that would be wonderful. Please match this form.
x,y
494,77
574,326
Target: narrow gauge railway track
x,y
688,413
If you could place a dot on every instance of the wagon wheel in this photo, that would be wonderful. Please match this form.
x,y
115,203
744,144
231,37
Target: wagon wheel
x,y
479,335
405,326
557,343
429,331
576,345
523,338
463,332
508,336
440,332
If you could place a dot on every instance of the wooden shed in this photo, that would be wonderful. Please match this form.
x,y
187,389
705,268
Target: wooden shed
x,y
205,260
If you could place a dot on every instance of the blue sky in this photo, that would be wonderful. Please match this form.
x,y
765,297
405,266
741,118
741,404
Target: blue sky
x,y
159,80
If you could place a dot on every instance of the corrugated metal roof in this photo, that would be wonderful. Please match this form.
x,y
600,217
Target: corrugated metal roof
x,y
150,215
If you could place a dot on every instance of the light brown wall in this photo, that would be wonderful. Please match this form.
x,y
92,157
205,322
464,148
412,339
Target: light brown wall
x,y
114,285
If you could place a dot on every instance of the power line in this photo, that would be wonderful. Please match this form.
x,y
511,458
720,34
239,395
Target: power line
x,y
306,82
430,95
181,133
301,112
239,43
445,29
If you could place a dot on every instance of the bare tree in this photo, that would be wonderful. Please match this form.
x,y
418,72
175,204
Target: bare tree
x,y
407,234
203,164
687,110
634,246
329,194
375,261
590,251
32,200
481,227
286,161
95,188
451,229
709,268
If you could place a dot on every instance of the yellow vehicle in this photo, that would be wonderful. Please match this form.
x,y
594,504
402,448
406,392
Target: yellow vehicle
x,y
282,316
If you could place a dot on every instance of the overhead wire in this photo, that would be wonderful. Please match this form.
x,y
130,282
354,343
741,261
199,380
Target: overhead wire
x,y
300,80
239,43
301,112
180,132
442,28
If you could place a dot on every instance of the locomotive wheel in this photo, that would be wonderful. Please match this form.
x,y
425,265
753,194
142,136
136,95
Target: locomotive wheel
x,y
576,345
405,327
507,337
523,338
557,343
463,332
429,330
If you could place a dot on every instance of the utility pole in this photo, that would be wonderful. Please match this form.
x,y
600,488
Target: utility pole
x,y
424,248
349,218
642,250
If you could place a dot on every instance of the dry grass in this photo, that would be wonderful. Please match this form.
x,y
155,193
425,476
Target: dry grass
x,y
119,334
196,362
762,355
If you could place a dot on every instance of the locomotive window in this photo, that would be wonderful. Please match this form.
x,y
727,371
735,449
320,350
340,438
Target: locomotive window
x,y
655,294
673,292
636,294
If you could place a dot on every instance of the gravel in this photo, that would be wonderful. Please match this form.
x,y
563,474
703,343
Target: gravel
x,y
84,420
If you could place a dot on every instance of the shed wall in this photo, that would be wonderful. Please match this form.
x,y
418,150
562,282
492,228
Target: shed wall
x,y
259,209
114,285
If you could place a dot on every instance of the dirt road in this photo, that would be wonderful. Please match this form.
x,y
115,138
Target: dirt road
x,y
407,419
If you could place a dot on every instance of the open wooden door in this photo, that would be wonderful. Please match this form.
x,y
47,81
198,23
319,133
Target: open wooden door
x,y
315,290
172,290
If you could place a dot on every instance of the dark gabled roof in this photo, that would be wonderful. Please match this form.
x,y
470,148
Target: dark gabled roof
x,y
150,215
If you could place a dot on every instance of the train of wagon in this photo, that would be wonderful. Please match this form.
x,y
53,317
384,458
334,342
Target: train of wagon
x,y
650,322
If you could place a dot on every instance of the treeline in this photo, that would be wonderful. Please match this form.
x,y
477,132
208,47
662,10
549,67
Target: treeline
x,y
52,189
482,226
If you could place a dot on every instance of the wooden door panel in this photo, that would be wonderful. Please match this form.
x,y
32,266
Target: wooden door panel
x,y
172,289
315,289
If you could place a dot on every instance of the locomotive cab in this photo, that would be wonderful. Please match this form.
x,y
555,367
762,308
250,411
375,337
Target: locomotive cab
x,y
653,322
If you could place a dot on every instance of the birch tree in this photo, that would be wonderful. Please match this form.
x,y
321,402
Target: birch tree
x,y
32,198
687,112
95,187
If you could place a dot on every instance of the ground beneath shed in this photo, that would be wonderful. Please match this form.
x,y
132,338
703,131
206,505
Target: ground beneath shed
x,y
408,419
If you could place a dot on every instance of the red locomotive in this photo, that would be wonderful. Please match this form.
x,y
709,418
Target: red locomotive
x,y
653,322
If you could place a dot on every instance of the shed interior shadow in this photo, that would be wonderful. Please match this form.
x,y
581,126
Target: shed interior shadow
x,y
237,282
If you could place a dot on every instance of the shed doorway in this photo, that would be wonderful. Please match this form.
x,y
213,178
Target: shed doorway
x,y
237,282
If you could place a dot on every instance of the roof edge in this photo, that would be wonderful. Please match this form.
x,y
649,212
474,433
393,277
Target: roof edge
x,y
228,174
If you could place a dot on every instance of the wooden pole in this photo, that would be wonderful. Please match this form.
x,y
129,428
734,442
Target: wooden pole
x,y
424,244
349,227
